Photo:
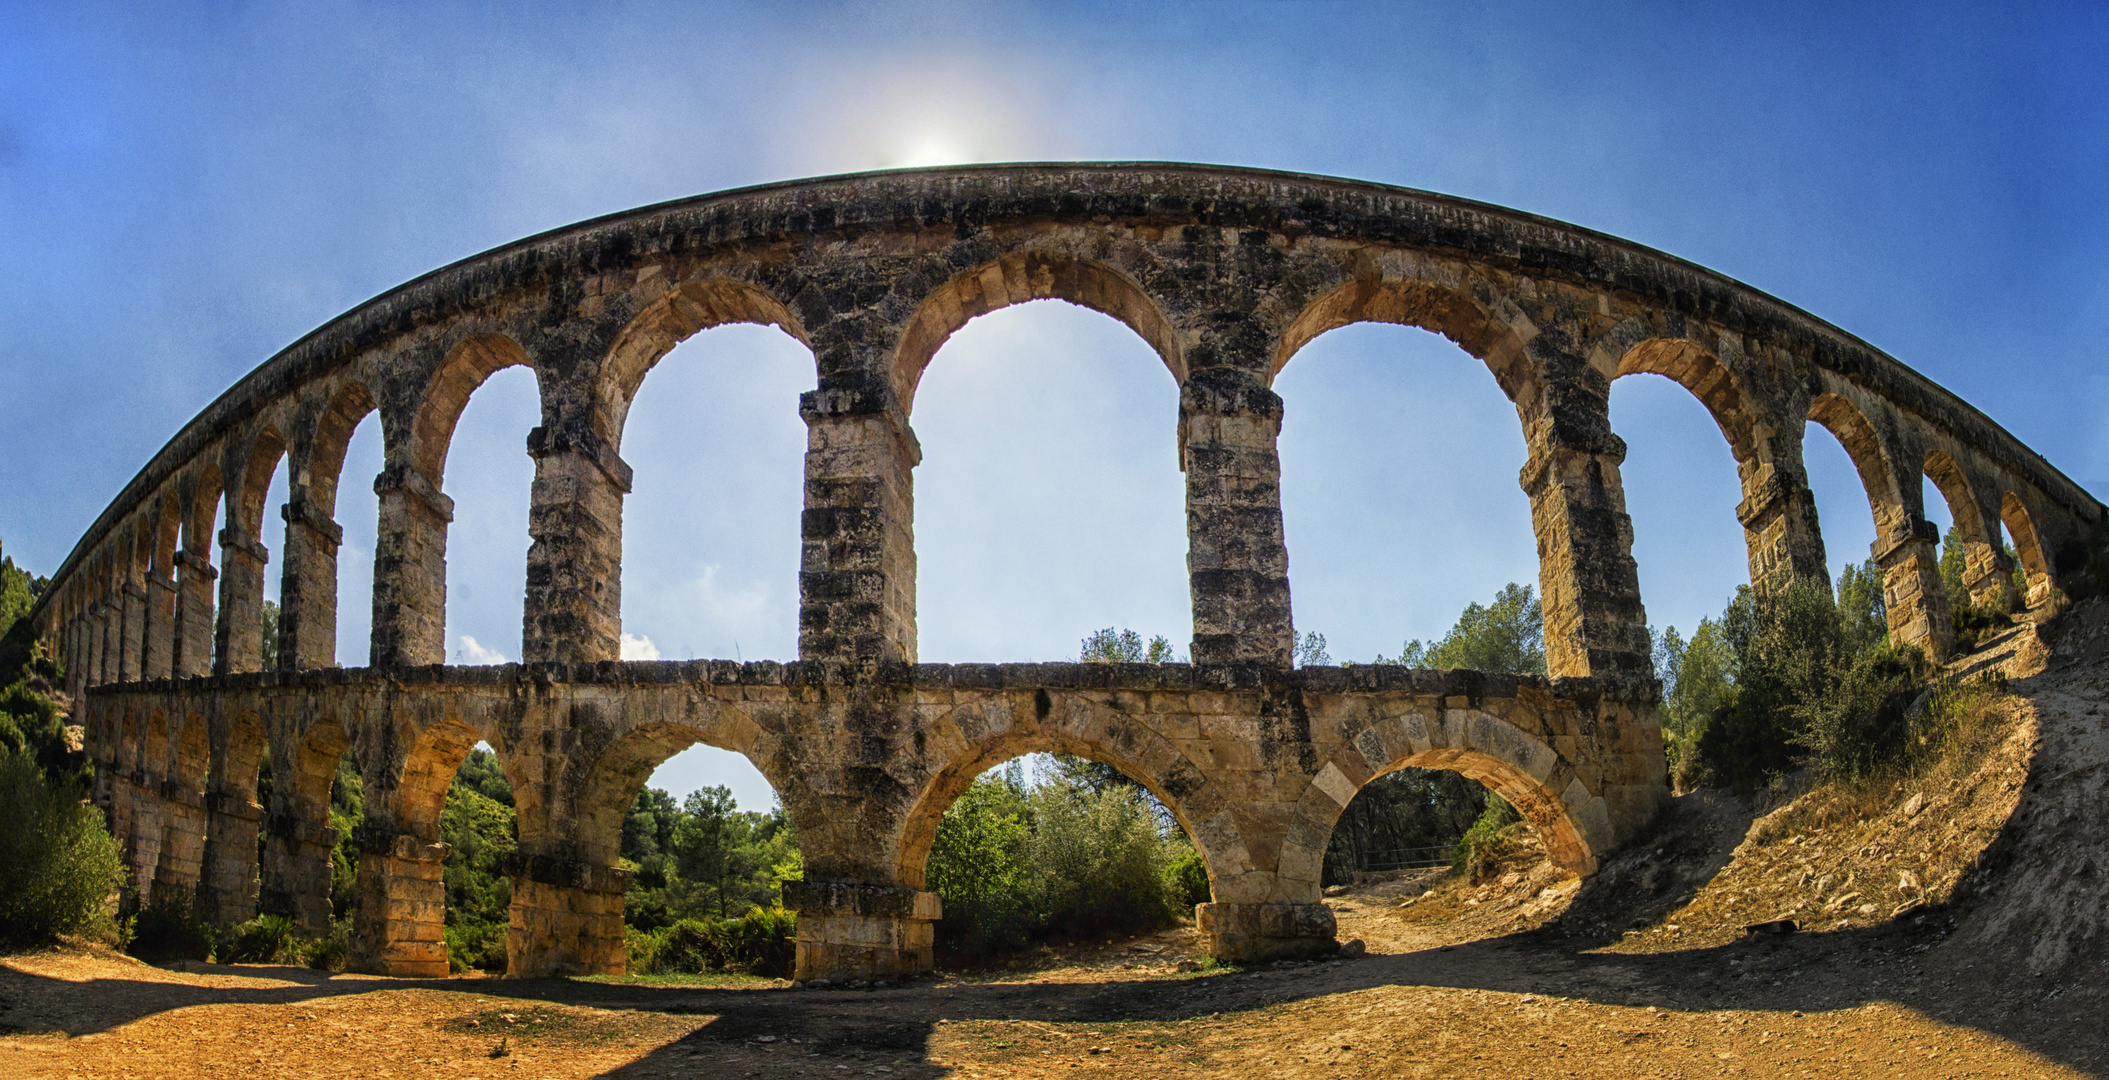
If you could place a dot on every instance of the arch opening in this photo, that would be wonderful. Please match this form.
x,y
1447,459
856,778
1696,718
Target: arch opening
x,y
673,319
1019,278
361,456
2020,529
1683,488
1049,483
1437,307
490,479
1091,845
1564,841
1396,453
710,532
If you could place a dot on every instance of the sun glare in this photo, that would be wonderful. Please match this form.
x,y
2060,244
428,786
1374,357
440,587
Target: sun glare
x,y
932,152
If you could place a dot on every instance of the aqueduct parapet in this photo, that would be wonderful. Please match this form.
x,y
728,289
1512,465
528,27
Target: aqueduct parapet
x,y
1226,273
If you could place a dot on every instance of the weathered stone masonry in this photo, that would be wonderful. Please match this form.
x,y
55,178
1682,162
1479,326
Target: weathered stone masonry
x,y
1226,273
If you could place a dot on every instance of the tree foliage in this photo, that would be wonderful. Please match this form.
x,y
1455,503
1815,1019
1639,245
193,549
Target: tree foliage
x,y
1506,635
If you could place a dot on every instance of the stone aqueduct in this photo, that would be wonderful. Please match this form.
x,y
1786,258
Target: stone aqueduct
x,y
1226,273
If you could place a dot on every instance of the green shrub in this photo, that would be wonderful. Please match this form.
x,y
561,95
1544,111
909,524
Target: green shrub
x,y
1972,622
762,942
1186,880
332,953
266,939
60,862
977,866
478,946
1098,862
1861,724
168,928
1484,836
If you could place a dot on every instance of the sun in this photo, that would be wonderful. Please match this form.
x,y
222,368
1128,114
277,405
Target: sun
x,y
932,151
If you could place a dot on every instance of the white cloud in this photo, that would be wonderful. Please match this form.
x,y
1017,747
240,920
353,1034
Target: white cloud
x,y
638,647
477,654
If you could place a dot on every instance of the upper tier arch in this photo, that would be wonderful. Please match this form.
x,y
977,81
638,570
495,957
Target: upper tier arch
x,y
1225,272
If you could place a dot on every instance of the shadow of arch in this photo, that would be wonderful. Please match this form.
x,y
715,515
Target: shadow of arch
x,y
465,368
689,309
1697,369
2027,547
1015,279
1422,304
1140,755
1574,824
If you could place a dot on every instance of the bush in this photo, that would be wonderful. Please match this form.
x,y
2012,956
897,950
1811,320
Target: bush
x,y
168,928
1186,880
476,946
1484,838
60,862
1861,724
762,942
1972,622
266,939
1098,862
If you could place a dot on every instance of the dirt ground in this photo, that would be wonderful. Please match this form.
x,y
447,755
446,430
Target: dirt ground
x,y
1950,928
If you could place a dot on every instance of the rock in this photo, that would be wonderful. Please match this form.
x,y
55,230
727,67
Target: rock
x,y
1913,805
1907,882
1334,890
855,984
1772,926
1189,965
819,984
880,984
797,985
1352,947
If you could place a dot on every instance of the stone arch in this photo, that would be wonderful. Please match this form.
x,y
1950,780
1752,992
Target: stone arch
x,y
1878,477
2028,547
1138,753
1696,368
246,499
1955,488
201,498
1573,822
619,773
465,368
1439,307
421,780
687,310
334,426
1019,277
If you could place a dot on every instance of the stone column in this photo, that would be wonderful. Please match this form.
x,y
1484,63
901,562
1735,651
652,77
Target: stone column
x,y
1588,582
132,633
862,931
295,870
410,570
239,638
194,622
181,863
856,573
1248,933
227,893
573,610
142,834
307,588
109,664
1237,563
76,657
1988,572
1910,558
566,917
160,649
1780,526
402,905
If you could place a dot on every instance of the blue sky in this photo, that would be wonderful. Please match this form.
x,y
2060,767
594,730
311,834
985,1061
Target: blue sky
x,y
185,190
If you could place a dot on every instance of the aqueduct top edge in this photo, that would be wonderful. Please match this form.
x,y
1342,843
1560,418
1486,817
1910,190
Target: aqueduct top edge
x,y
1164,193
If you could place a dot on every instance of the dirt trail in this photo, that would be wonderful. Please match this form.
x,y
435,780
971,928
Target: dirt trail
x,y
1989,960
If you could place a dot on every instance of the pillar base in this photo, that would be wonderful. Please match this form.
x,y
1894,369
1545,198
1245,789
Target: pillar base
x,y
400,927
566,918
1255,933
862,931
